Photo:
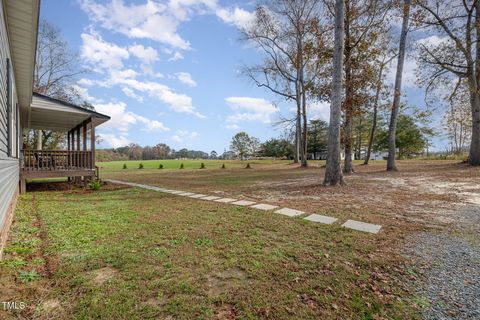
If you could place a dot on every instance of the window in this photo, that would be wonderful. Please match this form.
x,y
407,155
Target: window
x,y
9,109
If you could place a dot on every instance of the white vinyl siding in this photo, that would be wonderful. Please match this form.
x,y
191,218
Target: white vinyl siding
x,y
9,162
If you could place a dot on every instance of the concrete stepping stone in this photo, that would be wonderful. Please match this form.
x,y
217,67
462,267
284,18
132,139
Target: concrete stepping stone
x,y
225,200
186,194
265,207
321,219
198,195
176,192
362,226
290,212
243,203
210,198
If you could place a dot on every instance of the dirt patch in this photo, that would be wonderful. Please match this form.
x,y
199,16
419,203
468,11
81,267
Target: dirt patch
x,y
221,282
225,312
102,275
50,305
156,302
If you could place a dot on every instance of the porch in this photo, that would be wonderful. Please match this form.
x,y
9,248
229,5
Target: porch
x,y
76,160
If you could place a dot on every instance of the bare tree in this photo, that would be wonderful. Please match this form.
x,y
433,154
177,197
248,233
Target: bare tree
x,y
391,165
55,68
333,171
457,120
457,56
285,30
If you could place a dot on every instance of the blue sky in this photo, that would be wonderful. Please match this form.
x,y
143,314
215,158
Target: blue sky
x,y
168,71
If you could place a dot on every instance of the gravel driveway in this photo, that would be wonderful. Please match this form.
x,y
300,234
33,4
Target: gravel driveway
x,y
449,271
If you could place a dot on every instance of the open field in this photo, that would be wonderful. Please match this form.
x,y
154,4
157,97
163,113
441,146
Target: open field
x,y
188,164
123,253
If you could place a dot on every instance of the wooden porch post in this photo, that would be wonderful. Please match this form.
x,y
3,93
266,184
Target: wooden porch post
x,y
68,153
84,142
77,158
92,143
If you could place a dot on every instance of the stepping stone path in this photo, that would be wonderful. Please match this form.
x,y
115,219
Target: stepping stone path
x,y
266,207
290,212
243,203
318,218
362,226
210,198
198,195
321,219
187,194
225,200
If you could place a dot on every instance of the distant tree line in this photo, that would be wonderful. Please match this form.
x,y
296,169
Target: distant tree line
x,y
413,138
158,152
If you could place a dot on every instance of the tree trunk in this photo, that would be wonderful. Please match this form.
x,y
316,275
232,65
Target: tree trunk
x,y
348,130
375,114
304,129
296,152
391,165
303,103
39,139
359,139
474,155
333,171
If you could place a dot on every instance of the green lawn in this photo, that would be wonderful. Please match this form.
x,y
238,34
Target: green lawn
x,y
138,254
188,164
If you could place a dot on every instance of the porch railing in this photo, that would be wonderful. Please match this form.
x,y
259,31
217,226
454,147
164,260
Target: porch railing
x,y
57,160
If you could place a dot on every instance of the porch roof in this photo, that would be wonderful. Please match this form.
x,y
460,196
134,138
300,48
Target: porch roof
x,y
57,115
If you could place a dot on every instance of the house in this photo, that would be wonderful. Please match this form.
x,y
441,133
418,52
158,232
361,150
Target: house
x,y
323,156
21,109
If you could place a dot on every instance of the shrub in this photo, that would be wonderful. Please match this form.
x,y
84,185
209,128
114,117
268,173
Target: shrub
x,y
95,184
182,166
223,166
202,165
140,166
160,166
248,166
124,166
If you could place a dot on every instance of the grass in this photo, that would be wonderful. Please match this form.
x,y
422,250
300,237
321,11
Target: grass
x,y
188,164
138,254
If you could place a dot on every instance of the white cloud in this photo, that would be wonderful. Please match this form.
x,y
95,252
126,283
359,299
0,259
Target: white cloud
x,y
186,78
232,126
121,119
116,141
145,54
250,109
176,56
319,111
409,78
151,20
83,93
240,18
109,57
183,135
160,21
86,82
131,94
433,40
178,102
151,125
102,54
